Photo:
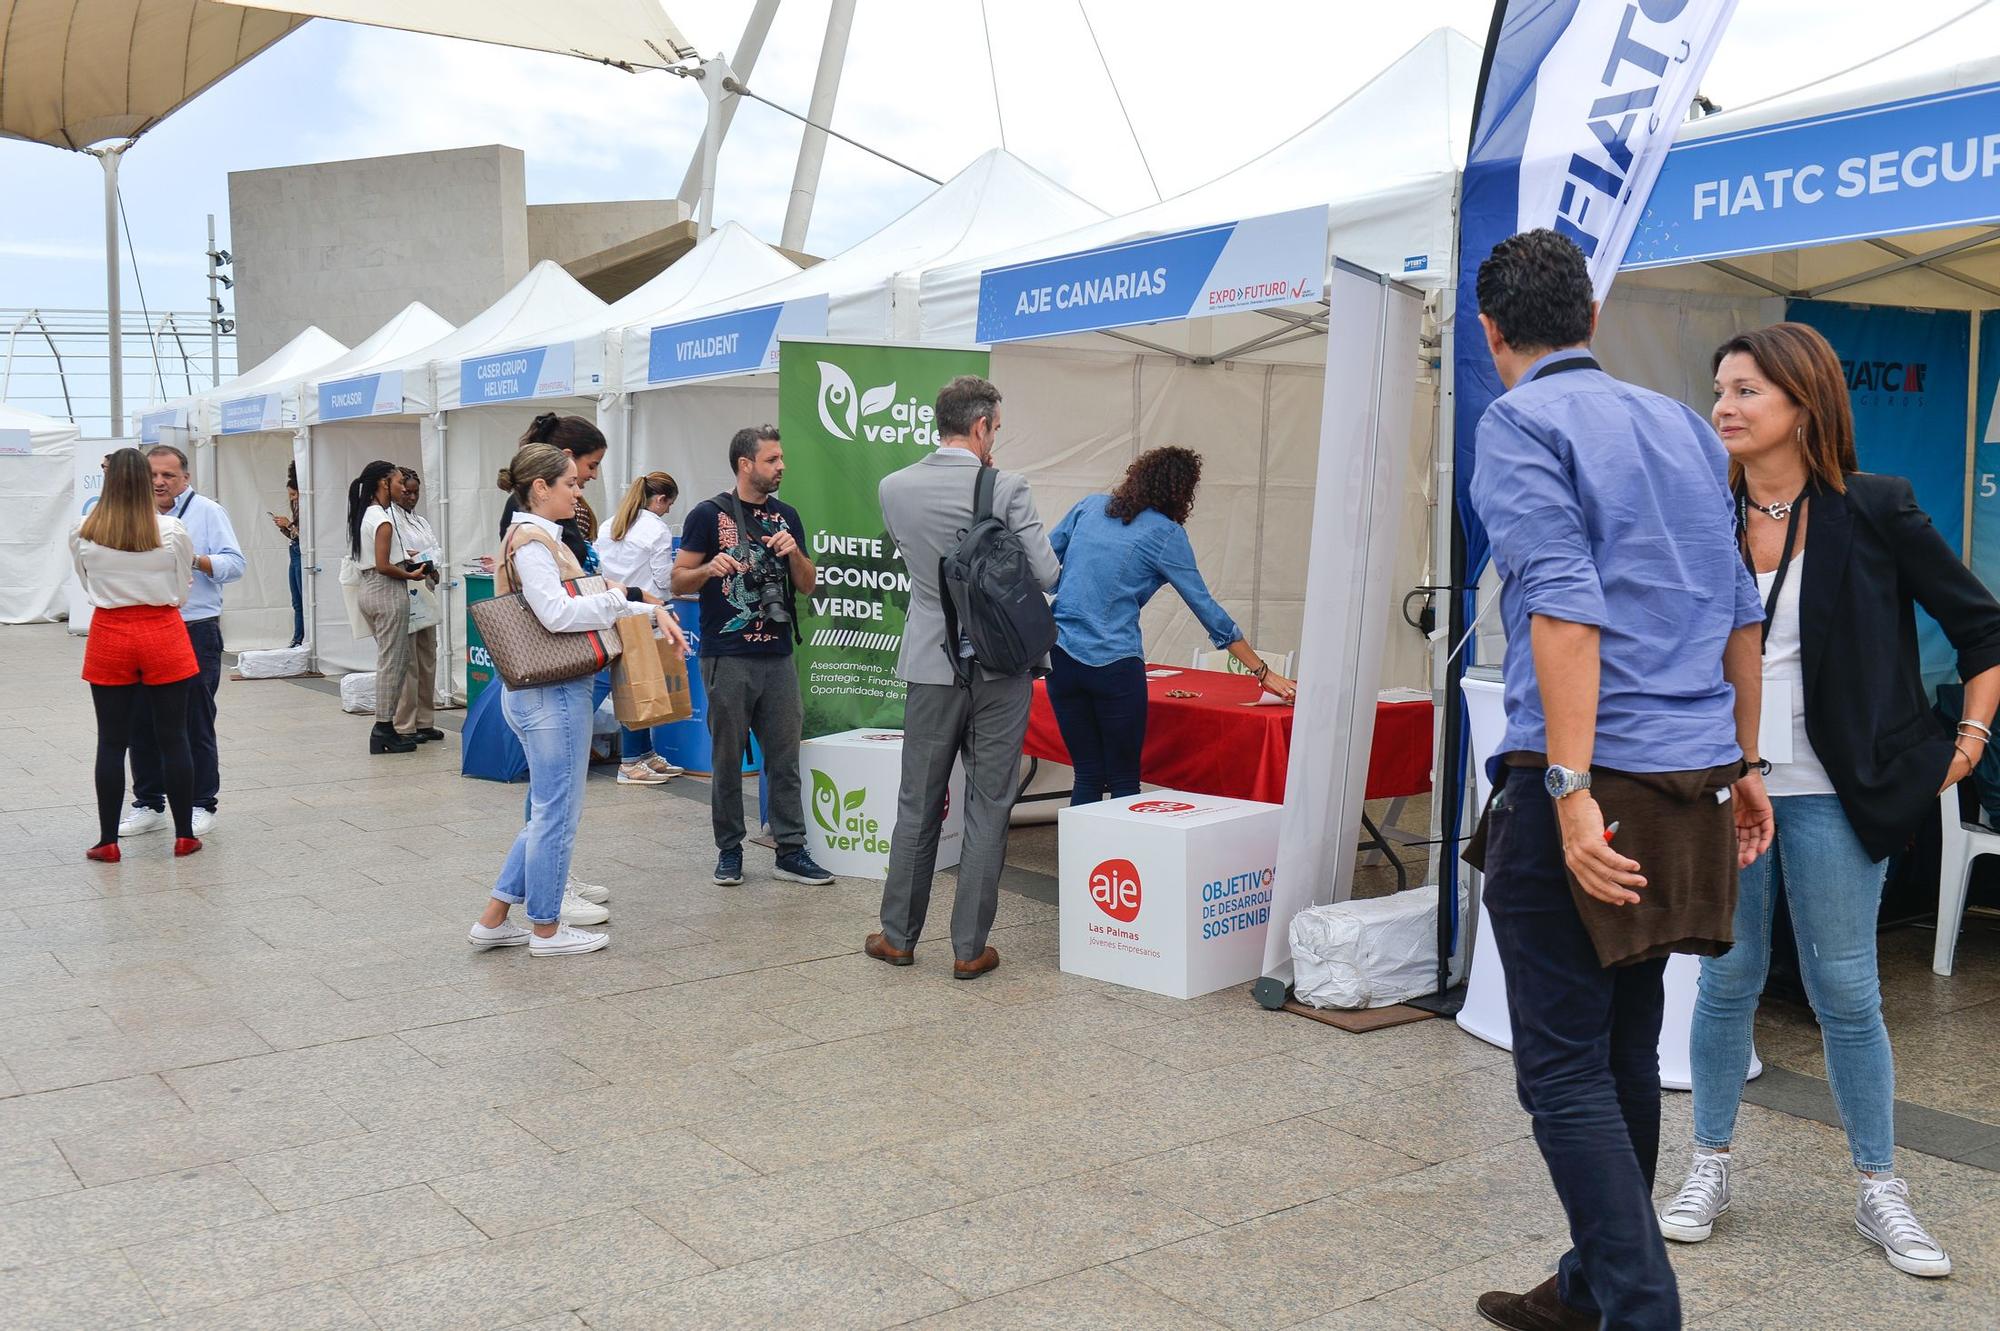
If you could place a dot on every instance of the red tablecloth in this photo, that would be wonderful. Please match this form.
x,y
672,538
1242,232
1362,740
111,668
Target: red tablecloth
x,y
1213,745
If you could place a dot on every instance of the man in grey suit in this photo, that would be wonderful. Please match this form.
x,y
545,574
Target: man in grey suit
x,y
926,507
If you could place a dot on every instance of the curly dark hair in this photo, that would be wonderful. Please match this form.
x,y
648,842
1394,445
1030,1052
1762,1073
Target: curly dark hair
x,y
1159,478
1536,288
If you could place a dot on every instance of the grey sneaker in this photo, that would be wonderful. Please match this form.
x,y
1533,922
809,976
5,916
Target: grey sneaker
x,y
798,866
1690,1216
1883,1215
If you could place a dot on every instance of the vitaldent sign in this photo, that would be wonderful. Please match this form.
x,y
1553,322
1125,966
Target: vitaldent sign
x,y
366,395
514,376
1279,259
248,415
739,342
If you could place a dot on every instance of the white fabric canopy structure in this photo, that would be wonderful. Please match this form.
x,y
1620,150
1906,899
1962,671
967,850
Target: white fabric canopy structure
x,y
634,33
37,506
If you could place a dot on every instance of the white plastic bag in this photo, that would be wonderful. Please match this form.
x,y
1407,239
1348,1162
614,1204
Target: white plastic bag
x,y
357,692
277,663
350,597
1365,954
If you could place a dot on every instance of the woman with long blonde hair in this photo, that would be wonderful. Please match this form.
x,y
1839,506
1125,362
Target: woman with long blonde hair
x,y
135,564
637,549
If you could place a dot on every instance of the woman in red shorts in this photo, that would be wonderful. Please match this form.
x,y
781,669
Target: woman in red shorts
x,y
134,564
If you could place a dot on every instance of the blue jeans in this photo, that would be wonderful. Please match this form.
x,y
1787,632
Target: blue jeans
x,y
1834,893
1101,711
298,598
553,724
1586,1066
632,744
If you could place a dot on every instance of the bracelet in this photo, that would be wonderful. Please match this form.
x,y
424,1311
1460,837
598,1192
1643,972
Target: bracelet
x,y
1985,731
1260,672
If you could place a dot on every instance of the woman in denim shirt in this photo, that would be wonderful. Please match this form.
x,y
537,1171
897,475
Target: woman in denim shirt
x,y
1117,550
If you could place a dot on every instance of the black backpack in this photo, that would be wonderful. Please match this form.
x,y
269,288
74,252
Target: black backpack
x,y
990,595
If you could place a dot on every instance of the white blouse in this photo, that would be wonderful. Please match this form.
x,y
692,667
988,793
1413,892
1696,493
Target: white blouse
x,y
645,558
542,585
1784,663
113,578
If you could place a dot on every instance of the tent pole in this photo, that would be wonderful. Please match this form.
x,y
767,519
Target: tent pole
x,y
713,74
812,143
114,320
451,580
748,46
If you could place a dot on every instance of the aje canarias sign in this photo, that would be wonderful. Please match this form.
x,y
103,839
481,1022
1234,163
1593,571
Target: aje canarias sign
x,y
850,414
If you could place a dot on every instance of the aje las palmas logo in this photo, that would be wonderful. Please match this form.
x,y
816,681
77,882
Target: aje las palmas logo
x,y
841,818
1114,887
844,411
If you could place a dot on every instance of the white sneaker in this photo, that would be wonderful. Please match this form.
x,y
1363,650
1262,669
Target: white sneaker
x,y
1690,1217
139,820
575,910
566,941
504,934
588,891
204,819
1882,1214
639,774
665,768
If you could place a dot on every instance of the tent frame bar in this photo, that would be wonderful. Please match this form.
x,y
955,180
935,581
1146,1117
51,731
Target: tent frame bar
x,y
1913,261
1745,275
1935,266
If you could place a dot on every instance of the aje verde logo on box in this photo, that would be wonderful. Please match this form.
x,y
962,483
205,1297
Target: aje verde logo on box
x,y
841,818
844,411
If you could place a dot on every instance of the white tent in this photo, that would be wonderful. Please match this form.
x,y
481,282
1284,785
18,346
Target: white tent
x,y
1244,388
37,507
867,292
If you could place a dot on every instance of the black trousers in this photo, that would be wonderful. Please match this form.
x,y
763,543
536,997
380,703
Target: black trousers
x,y
1586,1065
1101,711
160,711
149,785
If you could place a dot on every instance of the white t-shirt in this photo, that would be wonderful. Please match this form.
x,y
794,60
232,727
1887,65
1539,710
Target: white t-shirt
x,y
1783,662
644,559
112,578
377,517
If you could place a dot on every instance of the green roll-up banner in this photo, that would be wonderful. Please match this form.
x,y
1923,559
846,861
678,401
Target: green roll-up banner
x,y
850,414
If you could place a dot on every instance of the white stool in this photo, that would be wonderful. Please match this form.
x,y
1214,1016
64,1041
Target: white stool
x,y
1166,891
849,784
1485,1012
1958,846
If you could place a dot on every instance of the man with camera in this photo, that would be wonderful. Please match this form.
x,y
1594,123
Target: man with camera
x,y
744,550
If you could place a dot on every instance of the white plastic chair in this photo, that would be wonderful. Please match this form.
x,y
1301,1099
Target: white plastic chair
x,y
1959,844
1282,663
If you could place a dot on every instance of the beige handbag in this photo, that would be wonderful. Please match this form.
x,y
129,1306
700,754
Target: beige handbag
x,y
526,653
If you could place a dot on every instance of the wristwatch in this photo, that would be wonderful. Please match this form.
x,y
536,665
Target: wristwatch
x,y
1560,781
1759,765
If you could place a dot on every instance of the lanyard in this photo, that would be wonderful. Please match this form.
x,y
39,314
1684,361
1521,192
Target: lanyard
x,y
1565,366
187,498
1784,559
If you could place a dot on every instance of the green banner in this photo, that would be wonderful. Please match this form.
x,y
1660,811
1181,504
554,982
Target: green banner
x,y
851,414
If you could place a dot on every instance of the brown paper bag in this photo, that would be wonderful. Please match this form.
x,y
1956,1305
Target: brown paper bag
x,y
639,696
676,679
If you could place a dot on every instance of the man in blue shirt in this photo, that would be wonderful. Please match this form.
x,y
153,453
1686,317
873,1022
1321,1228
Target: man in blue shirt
x,y
1632,643
217,560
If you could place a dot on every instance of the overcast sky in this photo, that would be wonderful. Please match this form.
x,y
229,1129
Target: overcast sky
x,y
1207,85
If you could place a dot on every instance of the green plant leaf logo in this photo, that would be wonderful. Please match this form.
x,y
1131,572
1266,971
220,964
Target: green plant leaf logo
x,y
854,800
825,801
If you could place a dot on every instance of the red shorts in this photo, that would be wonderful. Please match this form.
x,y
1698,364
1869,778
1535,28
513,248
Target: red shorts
x,y
137,644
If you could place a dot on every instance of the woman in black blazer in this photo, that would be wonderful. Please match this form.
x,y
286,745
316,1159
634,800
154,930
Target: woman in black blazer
x,y
1854,759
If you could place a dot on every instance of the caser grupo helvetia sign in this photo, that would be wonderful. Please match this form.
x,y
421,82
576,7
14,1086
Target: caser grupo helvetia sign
x,y
850,414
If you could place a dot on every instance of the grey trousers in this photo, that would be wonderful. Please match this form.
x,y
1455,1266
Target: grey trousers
x,y
985,722
385,604
759,693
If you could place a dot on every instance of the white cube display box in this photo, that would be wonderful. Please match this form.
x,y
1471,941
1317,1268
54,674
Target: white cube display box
x,y
850,782
1167,892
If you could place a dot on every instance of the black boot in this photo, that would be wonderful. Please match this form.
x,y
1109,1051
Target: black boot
x,y
384,739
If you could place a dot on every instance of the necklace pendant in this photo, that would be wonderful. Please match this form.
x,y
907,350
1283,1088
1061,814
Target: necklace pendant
x,y
1780,510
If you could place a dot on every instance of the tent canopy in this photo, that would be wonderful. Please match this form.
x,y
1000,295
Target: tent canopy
x,y
37,504
635,33
1385,163
282,369
548,297
74,74
410,329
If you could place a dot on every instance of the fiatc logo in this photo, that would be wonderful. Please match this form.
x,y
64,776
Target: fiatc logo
x,y
840,817
1114,886
844,411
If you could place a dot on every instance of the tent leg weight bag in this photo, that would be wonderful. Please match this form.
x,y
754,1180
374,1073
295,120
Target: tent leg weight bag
x,y
1366,954
357,692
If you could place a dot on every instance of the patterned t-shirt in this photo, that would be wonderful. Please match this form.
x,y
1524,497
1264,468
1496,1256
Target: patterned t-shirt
x,y
732,623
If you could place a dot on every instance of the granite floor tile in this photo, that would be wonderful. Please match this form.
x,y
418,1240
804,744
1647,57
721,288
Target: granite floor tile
x,y
772,1137
1022,1238
242,1261
372,1162
1260,1170
380,1061
600,1113
47,1029
34,1169
753,1218
1506,1186
422,1094
100,1290
187,1141
96,1219
641,1055
1095,1300
547,1188
526,1278
117,1055
845,1285
556,1025
1439,1120
1012,1153
331,1022
321,1306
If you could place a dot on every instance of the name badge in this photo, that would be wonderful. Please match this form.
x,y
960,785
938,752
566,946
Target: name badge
x,y
1774,725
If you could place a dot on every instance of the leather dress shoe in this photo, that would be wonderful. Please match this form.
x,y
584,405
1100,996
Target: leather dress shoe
x,y
972,970
1537,1310
879,948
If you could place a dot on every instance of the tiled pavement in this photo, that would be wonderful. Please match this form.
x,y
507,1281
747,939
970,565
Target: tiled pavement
x,y
271,1087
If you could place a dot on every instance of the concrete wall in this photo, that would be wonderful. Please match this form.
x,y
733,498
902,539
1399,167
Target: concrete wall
x,y
347,244
566,232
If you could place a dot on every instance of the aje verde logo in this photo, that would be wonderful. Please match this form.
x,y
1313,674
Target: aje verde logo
x,y
841,818
844,411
